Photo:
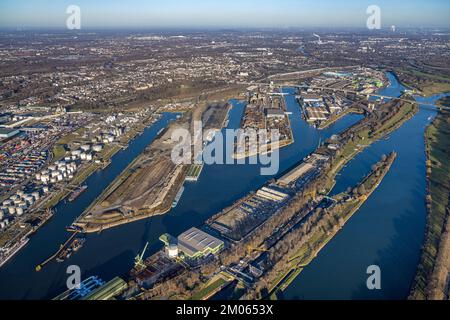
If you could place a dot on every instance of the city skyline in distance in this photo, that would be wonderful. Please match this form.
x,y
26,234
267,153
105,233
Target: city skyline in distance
x,y
223,14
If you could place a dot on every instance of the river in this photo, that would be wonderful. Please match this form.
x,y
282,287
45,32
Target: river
x,y
388,230
112,252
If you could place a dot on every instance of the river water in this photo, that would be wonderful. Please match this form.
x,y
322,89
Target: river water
x,y
386,235
387,231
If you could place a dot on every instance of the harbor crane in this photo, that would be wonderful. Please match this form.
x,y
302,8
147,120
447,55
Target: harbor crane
x,y
139,260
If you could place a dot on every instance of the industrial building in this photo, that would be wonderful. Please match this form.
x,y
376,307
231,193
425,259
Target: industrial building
x,y
271,194
316,113
6,133
157,267
311,97
108,291
195,243
310,164
274,113
85,288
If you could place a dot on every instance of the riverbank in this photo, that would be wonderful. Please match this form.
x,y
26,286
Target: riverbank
x,y
336,117
279,225
431,281
43,212
422,82
345,207
88,169
366,136
150,183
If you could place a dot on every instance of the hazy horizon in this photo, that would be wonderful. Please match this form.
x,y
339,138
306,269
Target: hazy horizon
x,y
201,14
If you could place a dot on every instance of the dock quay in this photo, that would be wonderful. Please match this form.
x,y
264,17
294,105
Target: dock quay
x,y
61,248
193,173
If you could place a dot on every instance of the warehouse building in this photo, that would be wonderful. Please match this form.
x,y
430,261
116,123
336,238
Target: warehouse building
x,y
274,113
6,133
195,244
108,291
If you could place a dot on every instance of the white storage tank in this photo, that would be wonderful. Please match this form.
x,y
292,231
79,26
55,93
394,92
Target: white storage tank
x,y
97,148
85,147
172,250
22,204
30,200
19,211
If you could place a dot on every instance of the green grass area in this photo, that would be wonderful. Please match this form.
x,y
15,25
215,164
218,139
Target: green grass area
x,y
58,152
438,173
406,110
305,254
435,88
207,290
194,170
430,83
419,73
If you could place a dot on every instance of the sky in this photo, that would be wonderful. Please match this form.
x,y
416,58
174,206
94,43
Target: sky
x,y
223,13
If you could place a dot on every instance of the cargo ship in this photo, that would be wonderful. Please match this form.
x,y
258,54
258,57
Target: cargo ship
x,y
177,197
7,255
77,192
